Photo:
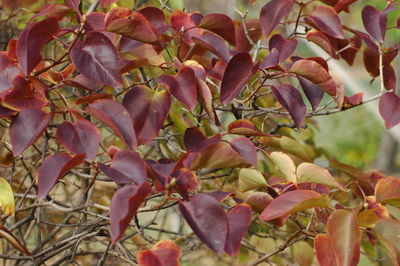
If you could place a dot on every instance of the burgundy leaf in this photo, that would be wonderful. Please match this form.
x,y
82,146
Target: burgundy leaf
x,y
205,98
93,97
389,108
8,71
207,219
32,40
213,43
254,32
26,128
194,140
389,78
156,17
148,110
328,21
239,218
54,168
124,205
219,24
186,181
246,149
182,86
244,127
272,13
81,137
285,47
5,112
97,59
320,39
271,60
313,93
127,166
239,71
114,115
375,22
82,82
291,99
343,5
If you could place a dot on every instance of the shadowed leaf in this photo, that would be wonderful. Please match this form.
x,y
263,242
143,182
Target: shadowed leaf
x,y
272,13
313,93
8,71
219,24
389,108
239,218
284,47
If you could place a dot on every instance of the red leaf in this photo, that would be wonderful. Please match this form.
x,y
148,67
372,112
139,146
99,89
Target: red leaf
x,y
81,137
186,181
114,115
124,205
327,20
148,110
7,235
239,218
54,168
293,201
389,108
285,47
345,235
254,31
182,86
239,71
322,41
272,13
323,249
387,189
389,77
82,82
207,219
244,127
291,99
127,166
313,93
164,253
375,22
213,43
8,71
156,17
246,149
23,96
131,24
205,98
32,40
93,97
219,24
26,128
97,59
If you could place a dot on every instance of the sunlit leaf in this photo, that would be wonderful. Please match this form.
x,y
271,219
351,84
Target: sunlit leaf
x,y
285,165
165,252
7,204
250,179
311,173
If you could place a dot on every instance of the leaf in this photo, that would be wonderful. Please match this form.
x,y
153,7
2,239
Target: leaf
x,y
82,82
389,78
131,24
194,140
284,47
97,59
345,235
375,22
148,110
26,128
182,86
156,17
313,93
114,115
271,60
81,137
213,43
127,166
165,252
246,149
254,32
388,230
7,235
72,3
250,179
31,41
323,248
272,13
389,108
239,218
239,71
285,165
322,41
328,21
311,173
258,201
244,127
7,203
219,24
290,98
207,219
387,190
124,205
8,71
293,201
53,168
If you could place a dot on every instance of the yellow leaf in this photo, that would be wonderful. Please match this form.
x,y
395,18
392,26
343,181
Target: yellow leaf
x,y
250,179
285,165
7,204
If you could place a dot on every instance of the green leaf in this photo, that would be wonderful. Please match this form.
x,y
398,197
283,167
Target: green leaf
x,y
7,203
311,173
250,179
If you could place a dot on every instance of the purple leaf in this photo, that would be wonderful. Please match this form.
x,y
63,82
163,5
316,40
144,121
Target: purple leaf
x,y
8,71
124,205
97,59
291,100
246,149
272,13
114,115
26,128
207,219
389,108
127,166
271,60
213,43
328,21
313,93
285,47
375,21
219,24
